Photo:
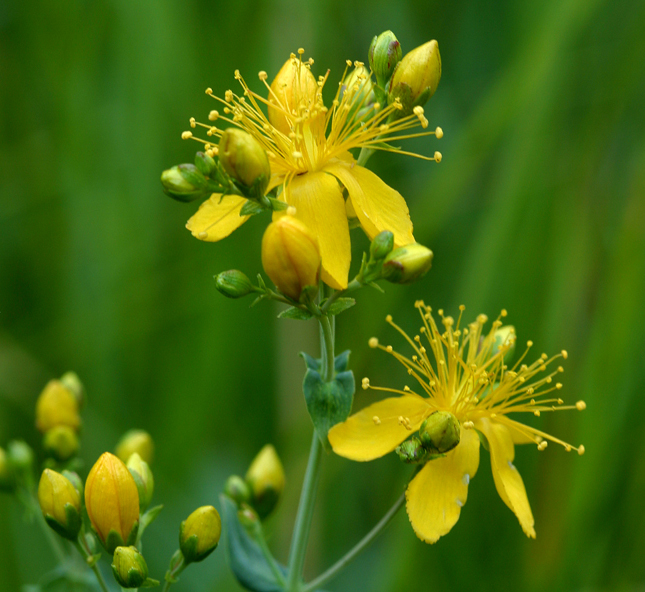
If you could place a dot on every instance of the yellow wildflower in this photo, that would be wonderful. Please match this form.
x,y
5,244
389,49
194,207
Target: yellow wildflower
x,y
308,147
468,378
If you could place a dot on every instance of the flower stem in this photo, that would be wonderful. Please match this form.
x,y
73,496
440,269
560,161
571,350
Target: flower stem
x,y
360,546
275,570
97,572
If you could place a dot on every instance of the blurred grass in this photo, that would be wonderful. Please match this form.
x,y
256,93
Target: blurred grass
x,y
538,207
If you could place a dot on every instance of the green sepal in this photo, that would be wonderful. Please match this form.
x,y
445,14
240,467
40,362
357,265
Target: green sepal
x,y
73,524
311,362
150,516
277,205
246,559
328,403
295,313
149,583
204,163
341,361
189,550
341,305
251,208
176,561
92,560
376,287
113,541
483,440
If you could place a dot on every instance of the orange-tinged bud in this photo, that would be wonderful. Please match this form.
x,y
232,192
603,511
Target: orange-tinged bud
x,y
416,77
290,256
112,502
60,504
56,406
293,91
138,441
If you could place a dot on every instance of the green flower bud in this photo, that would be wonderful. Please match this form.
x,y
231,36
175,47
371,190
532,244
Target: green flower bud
x,y
416,77
140,471
248,517
73,384
384,54
244,159
7,480
440,432
184,182
61,442
407,264
266,480
20,459
205,163
129,567
233,284
412,451
382,245
138,441
199,534
237,489
60,504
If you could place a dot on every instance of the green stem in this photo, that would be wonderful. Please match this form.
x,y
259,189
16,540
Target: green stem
x,y
353,285
97,572
328,350
360,546
275,570
364,155
172,574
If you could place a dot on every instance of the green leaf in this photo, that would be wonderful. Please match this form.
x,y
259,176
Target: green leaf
x,y
328,403
251,208
340,305
313,363
245,556
295,313
341,361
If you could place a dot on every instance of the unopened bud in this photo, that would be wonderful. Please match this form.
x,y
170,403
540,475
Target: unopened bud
x,y
358,92
440,432
237,489
60,504
266,480
244,159
199,534
112,502
75,480
20,459
129,567
290,256
384,54
72,382
138,441
416,77
381,245
407,264
61,442
140,471
57,405
205,163
184,182
233,284
412,451
293,90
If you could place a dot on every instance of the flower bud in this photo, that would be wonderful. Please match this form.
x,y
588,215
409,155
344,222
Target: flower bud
x,y
440,432
244,159
381,245
293,89
205,163
237,489
56,406
73,384
184,182
504,341
412,451
233,284
266,480
60,504
290,256
7,480
138,441
20,459
384,54
407,264
129,567
140,471
199,534
112,502
416,77
61,442
75,480
358,91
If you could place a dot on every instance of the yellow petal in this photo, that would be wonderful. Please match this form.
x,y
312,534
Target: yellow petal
x,y
377,205
215,219
320,205
507,479
377,429
436,495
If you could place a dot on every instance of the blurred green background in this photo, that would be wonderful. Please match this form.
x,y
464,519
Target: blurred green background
x,y
537,207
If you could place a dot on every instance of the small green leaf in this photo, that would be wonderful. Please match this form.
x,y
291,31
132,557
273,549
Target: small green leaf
x,y
376,287
251,208
340,305
149,583
341,361
295,313
312,362
245,556
328,403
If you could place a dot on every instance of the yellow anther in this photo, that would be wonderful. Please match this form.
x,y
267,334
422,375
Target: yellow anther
x,y
565,354
581,405
186,135
388,319
376,419
388,349
439,133
301,51
228,96
365,383
373,342
437,156
468,425
213,115
406,388
558,385
536,413
529,343
262,75
237,75
209,91
542,445
581,450
193,123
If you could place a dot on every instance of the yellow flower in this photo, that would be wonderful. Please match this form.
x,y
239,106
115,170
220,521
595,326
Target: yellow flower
x,y
308,147
467,377
112,502
60,504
